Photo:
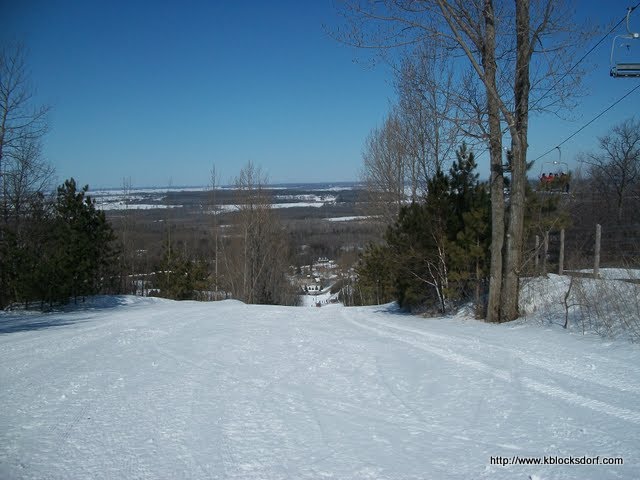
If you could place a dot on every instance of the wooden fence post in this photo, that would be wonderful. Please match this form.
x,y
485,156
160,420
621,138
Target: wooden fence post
x,y
596,261
546,251
561,259
537,259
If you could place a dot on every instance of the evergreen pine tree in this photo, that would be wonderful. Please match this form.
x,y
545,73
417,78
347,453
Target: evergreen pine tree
x,y
376,276
85,255
438,249
470,242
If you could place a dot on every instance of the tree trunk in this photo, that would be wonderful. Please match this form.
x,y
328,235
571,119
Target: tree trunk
x,y
497,232
515,232
497,180
515,229
619,208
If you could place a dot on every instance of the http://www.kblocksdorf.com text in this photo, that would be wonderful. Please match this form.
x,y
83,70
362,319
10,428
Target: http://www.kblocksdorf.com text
x,y
556,460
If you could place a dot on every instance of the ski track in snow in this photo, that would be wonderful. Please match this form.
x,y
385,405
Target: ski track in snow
x,y
612,379
553,391
154,389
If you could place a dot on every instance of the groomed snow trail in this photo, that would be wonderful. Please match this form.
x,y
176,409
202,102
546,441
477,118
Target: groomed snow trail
x,y
153,389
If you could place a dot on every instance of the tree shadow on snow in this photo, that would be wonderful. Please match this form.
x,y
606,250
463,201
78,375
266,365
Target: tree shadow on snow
x,y
24,321
391,308
99,302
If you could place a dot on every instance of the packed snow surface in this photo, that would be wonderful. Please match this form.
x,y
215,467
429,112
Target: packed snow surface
x,y
132,388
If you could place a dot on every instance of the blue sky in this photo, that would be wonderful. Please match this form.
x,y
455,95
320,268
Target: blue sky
x,y
159,91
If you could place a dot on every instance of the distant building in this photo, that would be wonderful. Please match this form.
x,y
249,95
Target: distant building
x,y
311,286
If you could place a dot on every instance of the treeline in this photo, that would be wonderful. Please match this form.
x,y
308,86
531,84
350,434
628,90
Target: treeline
x,y
56,251
436,253
60,248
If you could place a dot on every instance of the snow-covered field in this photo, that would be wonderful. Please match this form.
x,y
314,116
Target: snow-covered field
x,y
154,198
348,219
135,388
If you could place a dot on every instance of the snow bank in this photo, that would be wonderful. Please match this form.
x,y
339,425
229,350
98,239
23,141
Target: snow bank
x,y
616,273
610,308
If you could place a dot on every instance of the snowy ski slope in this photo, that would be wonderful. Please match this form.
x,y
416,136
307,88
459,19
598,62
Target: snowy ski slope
x,y
134,388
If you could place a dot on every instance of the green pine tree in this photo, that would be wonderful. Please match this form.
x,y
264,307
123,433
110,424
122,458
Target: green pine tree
x,y
85,257
437,251
376,276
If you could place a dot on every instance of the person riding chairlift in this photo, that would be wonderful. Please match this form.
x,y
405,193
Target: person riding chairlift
x,y
564,180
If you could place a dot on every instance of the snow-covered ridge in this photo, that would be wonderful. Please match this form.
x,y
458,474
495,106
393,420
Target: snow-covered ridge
x,y
154,198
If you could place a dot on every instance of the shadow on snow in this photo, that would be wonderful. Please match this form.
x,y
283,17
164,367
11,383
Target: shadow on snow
x,y
24,321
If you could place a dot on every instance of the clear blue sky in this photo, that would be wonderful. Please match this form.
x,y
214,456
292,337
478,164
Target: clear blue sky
x,y
160,91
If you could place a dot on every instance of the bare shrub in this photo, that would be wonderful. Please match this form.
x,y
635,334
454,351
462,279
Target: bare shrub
x,y
610,308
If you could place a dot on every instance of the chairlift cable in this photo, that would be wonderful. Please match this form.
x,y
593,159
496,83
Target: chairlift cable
x,y
589,122
622,20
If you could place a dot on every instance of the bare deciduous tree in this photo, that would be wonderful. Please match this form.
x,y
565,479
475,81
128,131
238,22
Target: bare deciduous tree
x,y
214,211
129,284
385,169
616,168
418,137
428,107
27,174
21,122
24,175
257,260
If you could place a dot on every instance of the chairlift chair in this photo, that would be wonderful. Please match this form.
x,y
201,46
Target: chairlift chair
x,y
625,67
554,175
